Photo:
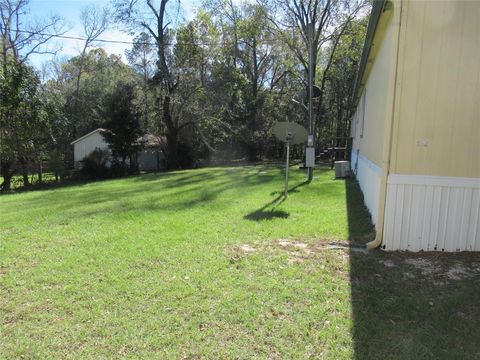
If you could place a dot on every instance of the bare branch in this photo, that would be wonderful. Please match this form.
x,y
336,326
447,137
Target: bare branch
x,y
23,40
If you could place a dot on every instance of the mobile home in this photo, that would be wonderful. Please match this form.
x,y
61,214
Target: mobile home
x,y
416,128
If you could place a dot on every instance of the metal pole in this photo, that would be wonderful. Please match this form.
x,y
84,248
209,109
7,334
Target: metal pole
x,y
286,168
310,88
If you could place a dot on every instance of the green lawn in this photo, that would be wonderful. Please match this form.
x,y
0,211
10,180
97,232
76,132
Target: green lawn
x,y
214,263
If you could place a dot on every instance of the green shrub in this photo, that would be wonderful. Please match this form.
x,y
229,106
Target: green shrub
x,y
95,165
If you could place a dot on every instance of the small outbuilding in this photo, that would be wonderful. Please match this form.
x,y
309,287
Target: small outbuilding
x,y
85,145
150,158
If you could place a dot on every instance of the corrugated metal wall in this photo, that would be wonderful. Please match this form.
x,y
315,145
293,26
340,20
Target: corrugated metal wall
x,y
432,214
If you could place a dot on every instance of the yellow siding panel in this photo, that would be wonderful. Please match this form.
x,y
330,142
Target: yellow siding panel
x,y
412,66
372,112
437,129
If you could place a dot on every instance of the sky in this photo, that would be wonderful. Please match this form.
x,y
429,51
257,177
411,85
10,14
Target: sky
x,y
70,11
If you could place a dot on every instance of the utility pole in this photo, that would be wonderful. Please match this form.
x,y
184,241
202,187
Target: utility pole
x,y
310,150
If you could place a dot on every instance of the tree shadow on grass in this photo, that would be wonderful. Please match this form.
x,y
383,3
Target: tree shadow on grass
x,y
406,305
168,191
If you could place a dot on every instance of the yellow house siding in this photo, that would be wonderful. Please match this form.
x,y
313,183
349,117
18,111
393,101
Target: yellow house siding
x,y
437,129
372,109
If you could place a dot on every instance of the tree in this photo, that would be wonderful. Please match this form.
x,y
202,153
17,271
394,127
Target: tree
x,y
252,77
94,22
152,17
21,121
20,38
100,74
140,57
335,127
122,124
318,23
57,143
20,109
256,62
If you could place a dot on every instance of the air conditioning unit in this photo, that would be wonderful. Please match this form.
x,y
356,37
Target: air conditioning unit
x,y
342,169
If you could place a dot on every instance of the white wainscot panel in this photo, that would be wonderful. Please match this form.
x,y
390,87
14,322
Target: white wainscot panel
x,y
368,175
432,213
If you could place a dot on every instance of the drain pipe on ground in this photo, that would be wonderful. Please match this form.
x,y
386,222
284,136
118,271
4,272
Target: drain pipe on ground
x,y
387,149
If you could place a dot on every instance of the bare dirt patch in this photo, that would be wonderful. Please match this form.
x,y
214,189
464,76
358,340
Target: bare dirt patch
x,y
440,268
462,271
316,246
298,250
426,266
387,263
246,248
295,248
9,321
240,251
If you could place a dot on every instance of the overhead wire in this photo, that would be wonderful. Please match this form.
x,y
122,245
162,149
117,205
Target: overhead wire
x,y
69,37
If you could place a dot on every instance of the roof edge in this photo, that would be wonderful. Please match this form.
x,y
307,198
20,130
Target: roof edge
x,y
377,10
87,135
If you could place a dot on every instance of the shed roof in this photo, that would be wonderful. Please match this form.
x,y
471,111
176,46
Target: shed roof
x,y
150,140
147,140
87,135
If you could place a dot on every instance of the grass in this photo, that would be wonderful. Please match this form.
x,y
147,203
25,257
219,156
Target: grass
x,y
214,263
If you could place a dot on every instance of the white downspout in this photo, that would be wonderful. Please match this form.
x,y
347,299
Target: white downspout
x,y
387,150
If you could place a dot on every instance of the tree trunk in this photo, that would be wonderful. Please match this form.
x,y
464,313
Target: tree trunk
x,y
124,159
252,148
172,150
252,152
40,172
5,186
77,93
7,175
172,135
26,181
24,163
145,99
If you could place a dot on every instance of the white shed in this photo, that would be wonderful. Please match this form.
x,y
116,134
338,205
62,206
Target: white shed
x,y
150,158
86,144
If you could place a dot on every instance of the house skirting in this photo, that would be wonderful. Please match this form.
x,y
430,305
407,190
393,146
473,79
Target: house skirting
x,y
368,175
432,213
